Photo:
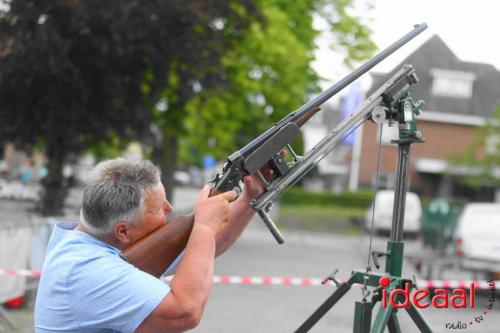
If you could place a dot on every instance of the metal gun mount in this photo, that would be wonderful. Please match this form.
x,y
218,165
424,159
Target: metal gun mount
x,y
391,101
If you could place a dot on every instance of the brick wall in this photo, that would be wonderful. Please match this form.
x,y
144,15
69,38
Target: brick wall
x,y
442,141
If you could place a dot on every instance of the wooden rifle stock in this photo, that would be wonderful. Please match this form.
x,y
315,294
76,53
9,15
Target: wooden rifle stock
x,y
156,251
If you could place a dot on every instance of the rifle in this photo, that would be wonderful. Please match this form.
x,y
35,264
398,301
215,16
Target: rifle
x,y
156,251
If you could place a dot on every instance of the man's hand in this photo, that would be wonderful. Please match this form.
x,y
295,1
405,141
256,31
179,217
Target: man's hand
x,y
252,187
212,212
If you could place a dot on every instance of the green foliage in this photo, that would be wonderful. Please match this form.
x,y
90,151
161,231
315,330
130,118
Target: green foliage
x,y
323,211
213,74
352,34
112,147
483,155
268,74
337,219
300,197
74,71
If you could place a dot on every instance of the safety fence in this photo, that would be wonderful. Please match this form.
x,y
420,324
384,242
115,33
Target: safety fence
x,y
287,281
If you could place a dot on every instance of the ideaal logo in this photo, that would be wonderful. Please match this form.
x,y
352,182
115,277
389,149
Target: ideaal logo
x,y
481,316
459,298
420,297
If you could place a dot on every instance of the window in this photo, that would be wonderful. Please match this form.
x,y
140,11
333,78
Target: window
x,y
452,83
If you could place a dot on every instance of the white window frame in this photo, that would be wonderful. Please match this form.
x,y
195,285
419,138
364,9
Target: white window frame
x,y
450,83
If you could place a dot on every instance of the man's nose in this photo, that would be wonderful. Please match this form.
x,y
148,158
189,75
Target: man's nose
x,y
167,208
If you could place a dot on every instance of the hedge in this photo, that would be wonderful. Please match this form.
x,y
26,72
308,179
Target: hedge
x,y
298,196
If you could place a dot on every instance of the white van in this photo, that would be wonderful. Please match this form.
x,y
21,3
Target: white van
x,y
384,204
477,237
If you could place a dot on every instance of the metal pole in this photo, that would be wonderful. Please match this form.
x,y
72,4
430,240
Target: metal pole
x,y
320,99
342,289
418,319
400,192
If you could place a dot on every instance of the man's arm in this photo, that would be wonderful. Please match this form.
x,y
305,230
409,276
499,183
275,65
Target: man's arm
x,y
183,306
240,214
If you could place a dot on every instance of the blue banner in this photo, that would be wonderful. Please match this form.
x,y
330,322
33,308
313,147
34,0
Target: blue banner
x,y
349,104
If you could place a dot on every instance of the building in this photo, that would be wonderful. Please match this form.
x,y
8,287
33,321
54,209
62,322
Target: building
x,y
459,97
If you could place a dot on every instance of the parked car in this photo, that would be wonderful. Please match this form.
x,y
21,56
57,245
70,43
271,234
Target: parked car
x,y
384,203
477,238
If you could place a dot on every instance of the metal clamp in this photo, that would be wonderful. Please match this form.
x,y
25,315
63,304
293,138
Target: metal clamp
x,y
376,255
331,277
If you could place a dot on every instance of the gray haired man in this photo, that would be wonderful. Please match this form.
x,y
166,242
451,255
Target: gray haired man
x,y
86,286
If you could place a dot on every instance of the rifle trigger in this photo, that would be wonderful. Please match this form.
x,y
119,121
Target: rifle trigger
x,y
217,177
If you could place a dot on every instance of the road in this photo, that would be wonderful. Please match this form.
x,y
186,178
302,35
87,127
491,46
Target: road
x,y
280,308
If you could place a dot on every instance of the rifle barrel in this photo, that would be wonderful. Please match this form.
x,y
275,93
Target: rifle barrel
x,y
327,94
348,79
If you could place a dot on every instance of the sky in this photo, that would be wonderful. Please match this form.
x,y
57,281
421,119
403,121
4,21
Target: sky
x,y
470,28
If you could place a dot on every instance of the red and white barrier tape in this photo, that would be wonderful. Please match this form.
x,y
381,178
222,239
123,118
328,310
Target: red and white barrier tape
x,y
20,272
288,281
452,284
294,281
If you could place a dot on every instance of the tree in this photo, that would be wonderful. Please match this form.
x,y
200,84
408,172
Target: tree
x,y
482,155
269,74
73,73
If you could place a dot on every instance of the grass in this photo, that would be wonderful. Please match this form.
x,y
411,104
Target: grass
x,y
337,219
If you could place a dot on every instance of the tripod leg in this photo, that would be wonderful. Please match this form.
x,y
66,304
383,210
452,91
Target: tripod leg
x,y
418,319
382,318
327,305
362,317
393,324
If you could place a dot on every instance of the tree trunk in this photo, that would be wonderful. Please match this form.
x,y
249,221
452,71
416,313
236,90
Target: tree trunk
x,y
167,154
54,189
168,161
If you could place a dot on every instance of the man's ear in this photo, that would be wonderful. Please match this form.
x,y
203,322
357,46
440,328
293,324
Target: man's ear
x,y
121,230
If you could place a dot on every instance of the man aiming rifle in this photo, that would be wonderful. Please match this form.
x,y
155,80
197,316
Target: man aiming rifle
x,y
87,287
100,275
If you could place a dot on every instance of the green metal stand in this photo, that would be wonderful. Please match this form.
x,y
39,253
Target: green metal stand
x,y
399,108
386,316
